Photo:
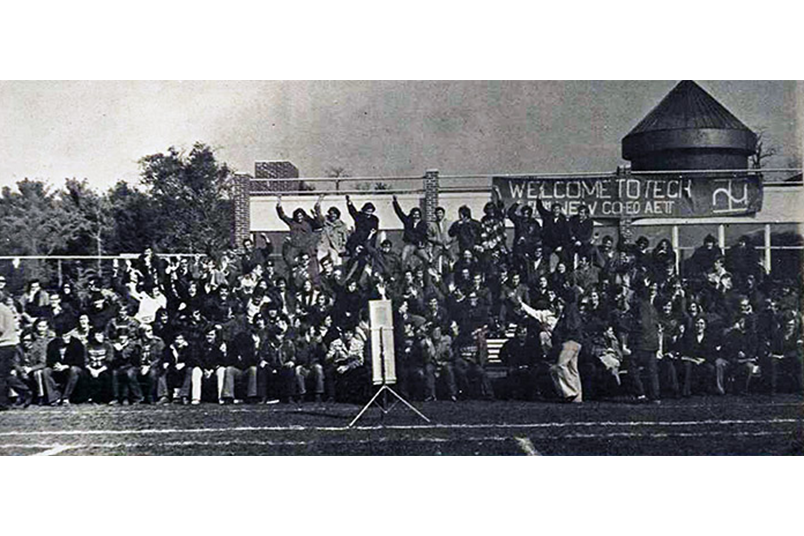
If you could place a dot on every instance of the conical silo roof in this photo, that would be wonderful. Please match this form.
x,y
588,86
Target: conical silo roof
x,y
688,105
688,118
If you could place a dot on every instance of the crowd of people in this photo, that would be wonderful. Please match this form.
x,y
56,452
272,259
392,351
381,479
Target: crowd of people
x,y
589,320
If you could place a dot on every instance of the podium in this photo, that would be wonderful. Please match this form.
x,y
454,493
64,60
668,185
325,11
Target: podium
x,y
383,362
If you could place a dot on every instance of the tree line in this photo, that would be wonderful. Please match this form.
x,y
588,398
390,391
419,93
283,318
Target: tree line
x,y
182,204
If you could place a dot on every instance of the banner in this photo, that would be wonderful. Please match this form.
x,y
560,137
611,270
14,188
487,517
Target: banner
x,y
627,196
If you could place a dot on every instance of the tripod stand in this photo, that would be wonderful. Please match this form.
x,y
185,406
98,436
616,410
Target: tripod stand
x,y
384,381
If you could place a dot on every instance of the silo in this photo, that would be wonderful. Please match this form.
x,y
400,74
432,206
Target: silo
x,y
689,129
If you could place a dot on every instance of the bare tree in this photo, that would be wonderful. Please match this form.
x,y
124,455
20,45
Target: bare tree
x,y
764,150
339,172
336,172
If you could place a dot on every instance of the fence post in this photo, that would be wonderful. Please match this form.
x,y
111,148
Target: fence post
x,y
61,276
674,242
625,231
430,194
768,248
241,224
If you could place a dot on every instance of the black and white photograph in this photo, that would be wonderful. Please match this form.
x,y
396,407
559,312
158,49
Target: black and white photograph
x,y
388,269
430,268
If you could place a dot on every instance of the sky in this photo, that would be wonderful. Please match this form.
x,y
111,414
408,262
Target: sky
x,y
99,130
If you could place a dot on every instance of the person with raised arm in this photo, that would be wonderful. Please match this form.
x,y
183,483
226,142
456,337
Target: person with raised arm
x,y
334,233
527,231
555,230
303,235
414,235
366,227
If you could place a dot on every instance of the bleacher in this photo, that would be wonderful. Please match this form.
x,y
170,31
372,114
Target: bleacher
x,y
494,366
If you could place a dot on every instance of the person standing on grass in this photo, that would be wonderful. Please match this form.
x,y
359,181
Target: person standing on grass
x,y
567,336
9,339
644,343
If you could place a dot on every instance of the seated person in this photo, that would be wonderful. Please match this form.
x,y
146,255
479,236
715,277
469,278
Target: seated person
x,y
520,356
699,358
99,367
125,369
65,366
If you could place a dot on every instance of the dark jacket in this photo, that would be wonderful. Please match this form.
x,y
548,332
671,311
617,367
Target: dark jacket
x,y
71,353
706,348
210,356
569,326
363,227
413,233
555,231
278,353
645,334
186,355
581,231
527,231
515,354
244,352
128,356
467,232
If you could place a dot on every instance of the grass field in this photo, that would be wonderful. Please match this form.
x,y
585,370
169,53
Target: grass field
x,y
724,425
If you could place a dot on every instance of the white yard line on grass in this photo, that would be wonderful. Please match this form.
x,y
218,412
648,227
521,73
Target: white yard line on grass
x,y
527,446
54,450
89,411
524,443
477,426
